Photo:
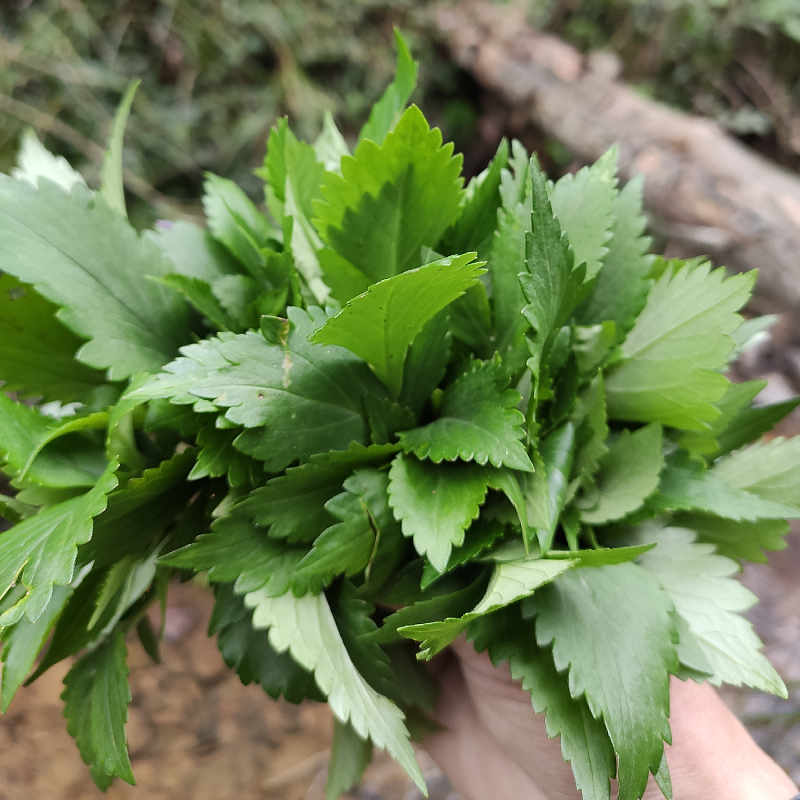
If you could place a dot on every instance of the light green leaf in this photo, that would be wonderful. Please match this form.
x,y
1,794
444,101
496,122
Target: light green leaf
x,y
387,110
510,581
627,476
96,698
68,247
684,487
435,504
111,183
391,200
620,291
700,585
40,552
237,223
380,325
193,251
611,627
584,205
742,540
478,422
37,353
682,334
34,161
330,146
768,469
305,627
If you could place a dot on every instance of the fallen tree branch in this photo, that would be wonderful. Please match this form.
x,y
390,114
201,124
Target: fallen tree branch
x,y
703,187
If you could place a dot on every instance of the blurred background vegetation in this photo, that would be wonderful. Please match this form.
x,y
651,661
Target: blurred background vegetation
x,y
217,73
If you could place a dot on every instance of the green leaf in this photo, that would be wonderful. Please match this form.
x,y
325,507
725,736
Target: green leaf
x,y
380,325
435,504
218,457
687,487
111,183
478,422
584,739
386,112
237,223
750,423
37,353
193,251
770,470
249,652
547,489
445,603
506,262
353,617
237,551
611,627
510,581
350,756
391,200
138,512
96,698
700,585
551,284
330,146
23,642
201,295
305,627
480,536
477,221
40,552
736,400
34,161
742,540
295,398
426,362
627,476
682,334
68,247
25,431
293,504
584,204
621,288
602,556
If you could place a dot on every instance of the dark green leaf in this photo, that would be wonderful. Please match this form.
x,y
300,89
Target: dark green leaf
x,y
37,353
96,698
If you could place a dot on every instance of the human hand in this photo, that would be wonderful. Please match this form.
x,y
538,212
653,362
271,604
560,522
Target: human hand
x,y
495,746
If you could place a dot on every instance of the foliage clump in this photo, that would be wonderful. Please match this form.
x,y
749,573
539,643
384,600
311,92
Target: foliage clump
x,y
392,411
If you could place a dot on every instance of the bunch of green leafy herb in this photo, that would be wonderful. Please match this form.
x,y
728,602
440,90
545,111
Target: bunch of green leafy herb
x,y
390,411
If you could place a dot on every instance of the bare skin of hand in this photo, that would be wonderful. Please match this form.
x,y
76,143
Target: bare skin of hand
x,y
495,746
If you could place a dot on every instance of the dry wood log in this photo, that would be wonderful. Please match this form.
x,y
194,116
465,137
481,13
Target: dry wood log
x,y
703,187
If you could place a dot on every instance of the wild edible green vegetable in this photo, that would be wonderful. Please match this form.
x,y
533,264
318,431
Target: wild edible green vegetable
x,y
486,405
